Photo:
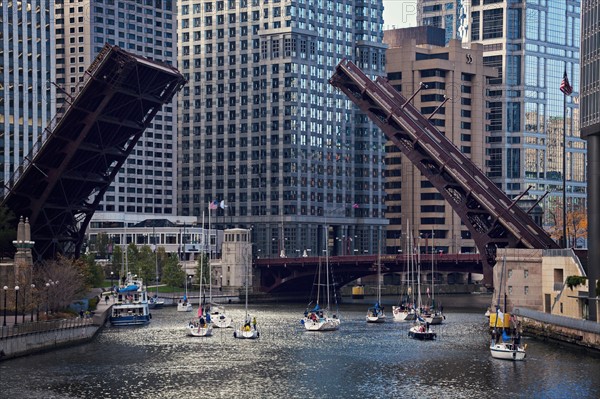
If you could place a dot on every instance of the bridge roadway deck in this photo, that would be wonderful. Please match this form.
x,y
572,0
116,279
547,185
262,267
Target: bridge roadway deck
x,y
298,274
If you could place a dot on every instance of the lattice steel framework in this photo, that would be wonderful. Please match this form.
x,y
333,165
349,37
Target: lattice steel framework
x,y
61,182
493,219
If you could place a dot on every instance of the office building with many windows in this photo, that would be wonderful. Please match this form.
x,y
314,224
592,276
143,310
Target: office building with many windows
x,y
27,71
265,139
532,44
455,79
146,186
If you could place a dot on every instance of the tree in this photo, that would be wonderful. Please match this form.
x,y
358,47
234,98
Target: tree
x,y
59,282
145,264
102,245
576,224
173,274
118,261
92,271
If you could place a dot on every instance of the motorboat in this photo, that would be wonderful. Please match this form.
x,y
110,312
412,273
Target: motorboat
x,y
131,304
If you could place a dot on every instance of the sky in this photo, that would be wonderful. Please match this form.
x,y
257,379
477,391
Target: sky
x,y
399,14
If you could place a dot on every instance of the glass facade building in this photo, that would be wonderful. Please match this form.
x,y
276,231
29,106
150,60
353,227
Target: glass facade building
x,y
27,96
531,43
264,134
146,185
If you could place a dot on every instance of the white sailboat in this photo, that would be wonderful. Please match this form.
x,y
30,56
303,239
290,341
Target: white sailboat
x,y
184,305
203,327
318,319
504,346
405,311
155,302
249,329
218,316
433,315
376,314
420,329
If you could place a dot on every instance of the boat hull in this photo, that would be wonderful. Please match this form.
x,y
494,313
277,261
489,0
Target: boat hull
x,y
197,331
402,314
219,318
417,332
184,307
376,319
130,320
507,352
246,333
434,319
324,324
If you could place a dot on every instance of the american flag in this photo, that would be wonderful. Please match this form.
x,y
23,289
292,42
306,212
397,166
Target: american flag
x,y
565,86
213,205
355,206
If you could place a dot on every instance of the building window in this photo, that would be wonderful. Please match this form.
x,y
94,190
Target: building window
x,y
526,290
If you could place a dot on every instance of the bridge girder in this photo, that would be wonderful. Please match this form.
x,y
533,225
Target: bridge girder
x,y
491,217
62,181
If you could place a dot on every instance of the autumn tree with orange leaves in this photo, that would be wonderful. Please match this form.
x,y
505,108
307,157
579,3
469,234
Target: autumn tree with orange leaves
x,y
577,224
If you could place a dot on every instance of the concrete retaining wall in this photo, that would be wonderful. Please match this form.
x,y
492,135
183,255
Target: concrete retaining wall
x,y
32,338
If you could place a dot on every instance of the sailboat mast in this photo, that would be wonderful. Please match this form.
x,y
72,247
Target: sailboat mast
x,y
379,267
327,262
246,262
209,259
155,258
432,278
201,267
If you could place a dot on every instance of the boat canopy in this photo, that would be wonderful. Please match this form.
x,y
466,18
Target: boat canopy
x,y
129,288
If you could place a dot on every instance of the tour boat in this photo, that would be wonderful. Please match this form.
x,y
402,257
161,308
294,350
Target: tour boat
x,y
131,304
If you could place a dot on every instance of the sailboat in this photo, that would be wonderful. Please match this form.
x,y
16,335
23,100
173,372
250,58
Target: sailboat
x,y
420,329
433,315
202,327
504,346
184,304
317,318
406,311
375,314
217,312
155,302
249,329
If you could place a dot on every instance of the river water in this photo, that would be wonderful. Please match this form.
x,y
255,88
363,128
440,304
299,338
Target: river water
x,y
359,361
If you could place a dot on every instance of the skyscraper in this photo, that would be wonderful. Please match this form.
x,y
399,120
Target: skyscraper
x,y
531,44
27,71
263,133
146,185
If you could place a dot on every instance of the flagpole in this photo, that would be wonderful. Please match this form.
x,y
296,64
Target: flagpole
x,y
564,171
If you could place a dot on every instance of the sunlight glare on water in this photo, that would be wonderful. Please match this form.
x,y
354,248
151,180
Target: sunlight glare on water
x,y
359,361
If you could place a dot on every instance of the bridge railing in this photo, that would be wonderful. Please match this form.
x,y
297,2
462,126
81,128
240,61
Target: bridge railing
x,y
43,326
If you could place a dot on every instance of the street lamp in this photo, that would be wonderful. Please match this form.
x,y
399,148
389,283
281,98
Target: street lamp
x,y
32,288
5,289
47,297
16,302
112,275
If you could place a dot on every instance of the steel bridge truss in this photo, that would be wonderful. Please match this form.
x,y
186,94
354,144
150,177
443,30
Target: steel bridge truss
x,y
61,182
493,219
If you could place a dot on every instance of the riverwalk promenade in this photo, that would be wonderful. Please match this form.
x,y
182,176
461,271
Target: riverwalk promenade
x,y
24,338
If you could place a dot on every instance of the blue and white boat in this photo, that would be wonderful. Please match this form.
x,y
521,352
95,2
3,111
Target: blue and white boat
x,y
131,305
